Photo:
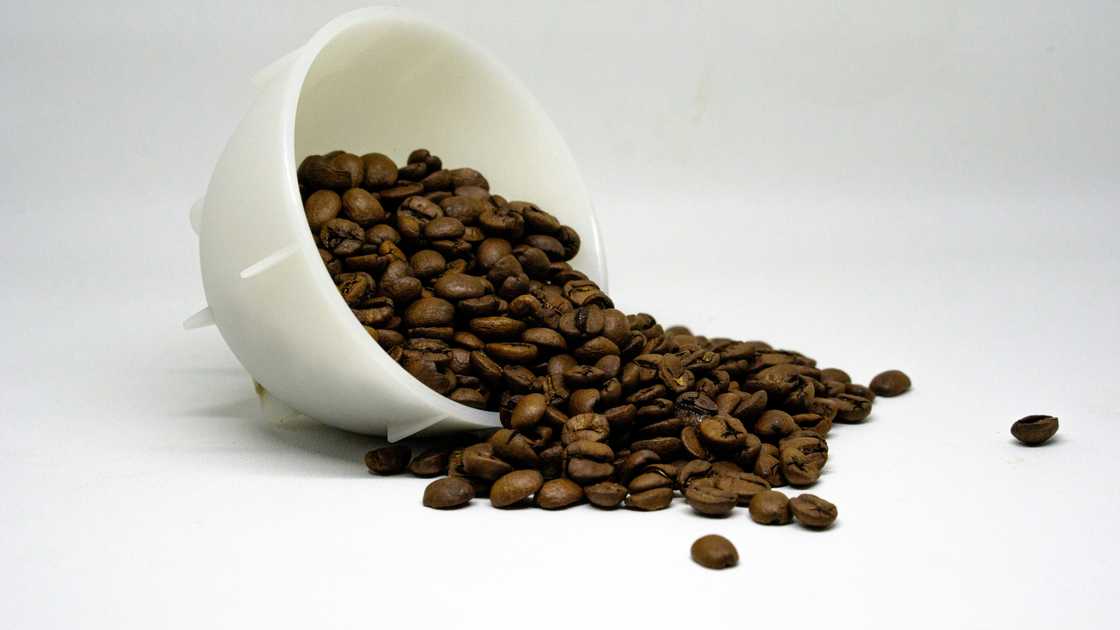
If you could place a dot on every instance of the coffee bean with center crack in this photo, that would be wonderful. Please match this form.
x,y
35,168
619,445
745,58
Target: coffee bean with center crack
x,y
813,511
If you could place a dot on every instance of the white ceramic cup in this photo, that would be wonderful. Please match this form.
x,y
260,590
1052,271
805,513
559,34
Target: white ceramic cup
x,y
377,79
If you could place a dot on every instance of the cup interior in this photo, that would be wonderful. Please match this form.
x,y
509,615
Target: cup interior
x,y
388,82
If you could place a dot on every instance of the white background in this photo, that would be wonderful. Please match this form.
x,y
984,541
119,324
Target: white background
x,y
925,185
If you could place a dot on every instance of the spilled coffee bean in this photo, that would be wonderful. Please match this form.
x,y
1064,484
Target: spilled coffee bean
x,y
480,298
812,511
1034,430
890,383
389,460
714,552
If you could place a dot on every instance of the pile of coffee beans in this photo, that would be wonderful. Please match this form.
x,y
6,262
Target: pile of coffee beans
x,y
473,295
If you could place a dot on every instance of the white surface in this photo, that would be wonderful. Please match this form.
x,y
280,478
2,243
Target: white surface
x,y
907,185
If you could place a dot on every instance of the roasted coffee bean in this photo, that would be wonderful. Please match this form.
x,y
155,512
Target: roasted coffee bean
x,y
361,207
605,494
515,448
650,500
512,352
429,463
341,237
769,467
321,206
808,442
690,440
770,507
585,426
723,433
380,171
692,471
773,425
528,412
665,447
388,460
798,468
649,481
835,374
318,172
448,493
515,487
714,552
851,408
710,500
749,455
862,391
813,511
557,494
1035,430
890,383
743,484
468,177
479,461
430,311
636,462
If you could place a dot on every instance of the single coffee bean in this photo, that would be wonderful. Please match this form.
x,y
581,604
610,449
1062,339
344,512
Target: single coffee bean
x,y
388,460
851,408
480,461
798,468
448,493
769,467
770,508
723,433
317,172
320,207
1035,430
649,481
835,374
890,383
813,511
429,463
714,552
605,494
854,389
341,237
429,312
380,171
361,207
557,494
528,412
692,471
710,500
650,500
587,471
773,425
515,487
513,352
